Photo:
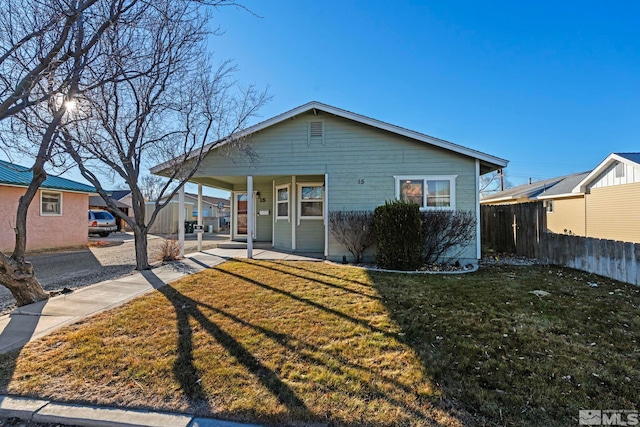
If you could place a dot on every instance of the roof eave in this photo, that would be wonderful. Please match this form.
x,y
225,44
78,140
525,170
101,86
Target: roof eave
x,y
491,162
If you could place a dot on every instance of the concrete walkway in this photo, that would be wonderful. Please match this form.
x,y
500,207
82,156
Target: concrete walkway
x,y
44,411
34,321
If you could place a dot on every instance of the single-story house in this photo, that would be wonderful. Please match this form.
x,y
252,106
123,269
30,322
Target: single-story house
x,y
122,199
601,203
57,217
317,158
215,213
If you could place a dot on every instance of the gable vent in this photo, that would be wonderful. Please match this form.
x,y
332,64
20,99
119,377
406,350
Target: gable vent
x,y
316,131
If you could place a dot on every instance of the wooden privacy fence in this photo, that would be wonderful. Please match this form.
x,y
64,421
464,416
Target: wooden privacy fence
x,y
521,229
513,228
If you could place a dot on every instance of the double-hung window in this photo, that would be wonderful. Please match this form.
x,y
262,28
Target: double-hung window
x,y
282,202
428,192
50,203
311,201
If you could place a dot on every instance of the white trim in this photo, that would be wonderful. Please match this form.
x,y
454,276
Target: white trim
x,y
275,197
310,184
494,161
293,214
581,187
250,219
559,196
425,178
42,213
199,218
478,228
326,215
273,221
181,220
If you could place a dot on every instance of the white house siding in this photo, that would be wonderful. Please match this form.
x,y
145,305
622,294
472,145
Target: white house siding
x,y
360,161
608,177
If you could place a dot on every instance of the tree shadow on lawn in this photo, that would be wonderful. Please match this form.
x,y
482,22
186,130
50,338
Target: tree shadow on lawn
x,y
186,373
386,387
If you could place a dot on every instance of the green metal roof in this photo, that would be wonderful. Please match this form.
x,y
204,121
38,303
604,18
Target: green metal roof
x,y
12,174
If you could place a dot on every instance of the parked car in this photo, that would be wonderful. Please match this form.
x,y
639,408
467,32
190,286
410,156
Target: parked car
x,y
101,222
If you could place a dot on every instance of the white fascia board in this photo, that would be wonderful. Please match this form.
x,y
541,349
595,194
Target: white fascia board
x,y
559,196
499,199
351,116
581,187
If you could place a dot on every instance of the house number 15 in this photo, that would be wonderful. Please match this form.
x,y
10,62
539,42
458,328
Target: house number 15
x,y
361,181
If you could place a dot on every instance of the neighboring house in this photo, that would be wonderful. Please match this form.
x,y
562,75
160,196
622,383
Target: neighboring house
x,y
57,216
602,203
317,158
122,199
215,213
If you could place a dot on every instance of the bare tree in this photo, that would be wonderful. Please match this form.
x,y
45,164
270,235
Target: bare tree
x,y
494,182
174,111
44,47
151,187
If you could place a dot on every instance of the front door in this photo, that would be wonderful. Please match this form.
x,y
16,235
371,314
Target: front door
x,y
241,211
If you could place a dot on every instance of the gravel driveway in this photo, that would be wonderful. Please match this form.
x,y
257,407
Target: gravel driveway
x,y
106,258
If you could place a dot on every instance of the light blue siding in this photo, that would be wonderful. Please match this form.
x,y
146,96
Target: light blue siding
x,y
361,162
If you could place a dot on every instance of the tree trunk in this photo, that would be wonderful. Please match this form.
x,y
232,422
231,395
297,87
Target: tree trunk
x,y
15,273
21,281
140,239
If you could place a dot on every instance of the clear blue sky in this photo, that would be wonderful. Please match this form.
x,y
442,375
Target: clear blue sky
x,y
554,87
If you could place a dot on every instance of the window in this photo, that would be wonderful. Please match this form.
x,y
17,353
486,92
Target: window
x,y
282,202
620,170
50,203
548,204
428,192
311,201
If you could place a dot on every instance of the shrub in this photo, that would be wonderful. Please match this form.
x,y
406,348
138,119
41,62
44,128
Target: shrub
x,y
354,230
446,233
169,250
398,234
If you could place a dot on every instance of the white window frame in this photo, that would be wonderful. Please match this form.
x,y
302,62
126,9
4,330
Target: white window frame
x,y
300,201
42,212
549,206
424,179
288,202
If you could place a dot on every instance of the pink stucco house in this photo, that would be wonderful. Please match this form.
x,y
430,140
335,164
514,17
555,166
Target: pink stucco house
x,y
57,216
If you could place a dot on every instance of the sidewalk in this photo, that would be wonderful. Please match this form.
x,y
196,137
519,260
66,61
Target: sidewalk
x,y
44,411
36,320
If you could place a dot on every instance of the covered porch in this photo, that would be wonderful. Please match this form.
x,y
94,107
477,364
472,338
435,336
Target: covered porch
x,y
288,213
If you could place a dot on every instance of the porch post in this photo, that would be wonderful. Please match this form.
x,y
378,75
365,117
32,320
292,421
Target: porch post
x,y
199,216
274,214
292,200
181,220
250,209
326,215
478,239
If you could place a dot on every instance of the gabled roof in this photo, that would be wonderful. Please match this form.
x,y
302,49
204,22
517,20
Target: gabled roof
x,y
119,194
488,163
20,176
99,202
210,199
629,158
537,190
564,187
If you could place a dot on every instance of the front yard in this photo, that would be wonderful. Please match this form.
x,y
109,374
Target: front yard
x,y
310,343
